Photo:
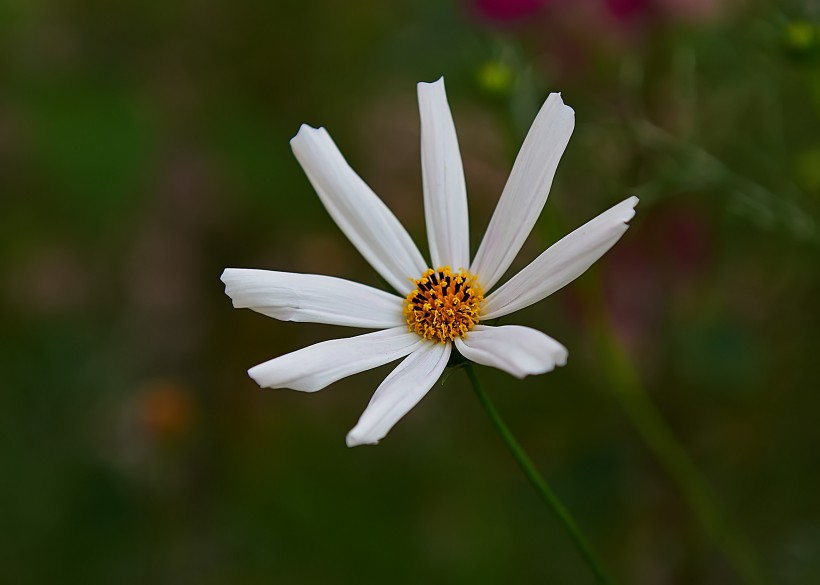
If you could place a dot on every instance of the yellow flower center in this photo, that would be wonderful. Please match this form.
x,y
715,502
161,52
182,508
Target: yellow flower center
x,y
444,305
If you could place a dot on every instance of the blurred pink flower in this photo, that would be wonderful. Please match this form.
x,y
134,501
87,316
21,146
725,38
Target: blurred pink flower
x,y
693,10
663,262
624,10
508,10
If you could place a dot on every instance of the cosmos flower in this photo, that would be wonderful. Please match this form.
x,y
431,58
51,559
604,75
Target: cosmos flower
x,y
441,306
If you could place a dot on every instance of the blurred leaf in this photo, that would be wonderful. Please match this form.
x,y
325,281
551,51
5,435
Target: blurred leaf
x,y
93,141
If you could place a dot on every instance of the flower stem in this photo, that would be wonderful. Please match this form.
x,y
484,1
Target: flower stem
x,y
537,480
650,424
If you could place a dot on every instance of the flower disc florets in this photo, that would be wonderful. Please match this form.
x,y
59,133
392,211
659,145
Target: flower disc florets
x,y
444,305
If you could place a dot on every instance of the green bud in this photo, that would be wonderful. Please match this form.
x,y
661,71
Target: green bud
x,y
496,77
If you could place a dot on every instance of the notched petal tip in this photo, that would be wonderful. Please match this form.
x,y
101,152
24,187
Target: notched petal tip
x,y
255,376
436,82
306,130
227,278
429,91
568,110
226,274
559,360
628,205
352,440
429,85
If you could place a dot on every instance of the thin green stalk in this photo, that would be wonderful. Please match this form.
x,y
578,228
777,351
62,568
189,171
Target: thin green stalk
x,y
623,380
625,384
627,388
537,480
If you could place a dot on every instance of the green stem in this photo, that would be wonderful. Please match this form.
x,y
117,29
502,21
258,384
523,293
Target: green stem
x,y
537,480
650,424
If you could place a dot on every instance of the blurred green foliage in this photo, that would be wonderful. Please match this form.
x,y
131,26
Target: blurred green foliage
x,y
144,147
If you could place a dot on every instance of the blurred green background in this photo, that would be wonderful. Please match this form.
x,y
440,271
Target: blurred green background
x,y
144,148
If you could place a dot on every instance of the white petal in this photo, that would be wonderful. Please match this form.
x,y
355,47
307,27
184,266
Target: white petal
x,y
445,195
359,213
526,190
400,391
314,367
312,298
517,350
562,263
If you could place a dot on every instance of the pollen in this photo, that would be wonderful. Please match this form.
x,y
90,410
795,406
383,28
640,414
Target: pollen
x,y
444,304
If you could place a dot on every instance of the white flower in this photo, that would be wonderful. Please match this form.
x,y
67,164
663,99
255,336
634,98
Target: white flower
x,y
438,307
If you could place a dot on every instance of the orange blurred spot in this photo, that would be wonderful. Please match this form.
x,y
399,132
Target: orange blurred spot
x,y
165,408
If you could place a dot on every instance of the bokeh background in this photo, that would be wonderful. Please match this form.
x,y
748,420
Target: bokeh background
x,y
144,147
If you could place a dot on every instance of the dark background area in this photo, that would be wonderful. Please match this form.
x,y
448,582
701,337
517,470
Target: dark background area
x,y
144,148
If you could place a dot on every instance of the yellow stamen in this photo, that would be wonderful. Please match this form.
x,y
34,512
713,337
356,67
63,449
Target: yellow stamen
x,y
444,305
